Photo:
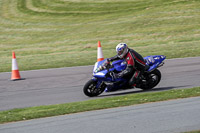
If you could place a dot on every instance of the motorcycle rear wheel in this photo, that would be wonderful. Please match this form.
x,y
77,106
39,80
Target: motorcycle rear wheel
x,y
91,90
152,79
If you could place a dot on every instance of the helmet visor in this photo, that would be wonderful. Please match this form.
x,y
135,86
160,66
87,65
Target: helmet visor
x,y
120,52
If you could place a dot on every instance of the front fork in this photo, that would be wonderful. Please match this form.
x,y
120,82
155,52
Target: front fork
x,y
99,82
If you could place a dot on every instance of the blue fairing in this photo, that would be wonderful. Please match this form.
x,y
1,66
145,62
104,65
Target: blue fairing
x,y
154,61
118,65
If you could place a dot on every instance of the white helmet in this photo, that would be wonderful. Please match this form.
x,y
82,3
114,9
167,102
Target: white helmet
x,y
122,50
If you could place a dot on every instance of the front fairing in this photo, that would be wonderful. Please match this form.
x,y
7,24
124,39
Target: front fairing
x,y
97,65
100,72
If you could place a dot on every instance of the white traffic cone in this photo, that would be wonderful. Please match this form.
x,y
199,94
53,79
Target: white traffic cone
x,y
99,52
15,70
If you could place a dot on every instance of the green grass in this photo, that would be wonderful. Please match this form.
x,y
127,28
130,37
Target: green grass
x,y
59,33
119,101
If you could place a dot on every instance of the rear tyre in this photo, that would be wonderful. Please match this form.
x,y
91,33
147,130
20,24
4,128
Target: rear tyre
x,y
151,79
91,90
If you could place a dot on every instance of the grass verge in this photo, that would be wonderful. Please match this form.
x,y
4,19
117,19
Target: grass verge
x,y
193,132
119,101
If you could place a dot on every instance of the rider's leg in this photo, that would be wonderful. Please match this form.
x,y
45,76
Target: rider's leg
x,y
134,78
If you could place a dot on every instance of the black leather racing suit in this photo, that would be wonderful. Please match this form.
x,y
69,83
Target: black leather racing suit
x,y
135,66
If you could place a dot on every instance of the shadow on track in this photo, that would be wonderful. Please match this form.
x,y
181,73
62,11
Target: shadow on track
x,y
118,93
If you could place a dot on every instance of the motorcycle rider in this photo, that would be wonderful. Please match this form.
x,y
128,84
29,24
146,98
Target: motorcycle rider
x,y
135,63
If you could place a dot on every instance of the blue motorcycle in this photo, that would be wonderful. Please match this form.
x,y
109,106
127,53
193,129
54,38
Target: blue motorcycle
x,y
104,80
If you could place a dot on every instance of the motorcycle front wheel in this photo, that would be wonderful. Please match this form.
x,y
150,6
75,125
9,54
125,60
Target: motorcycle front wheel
x,y
91,90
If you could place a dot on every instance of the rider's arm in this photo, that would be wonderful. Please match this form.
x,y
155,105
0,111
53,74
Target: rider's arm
x,y
127,71
113,58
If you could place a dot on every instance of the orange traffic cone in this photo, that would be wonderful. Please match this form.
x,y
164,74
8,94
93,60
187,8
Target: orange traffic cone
x,y
15,71
99,52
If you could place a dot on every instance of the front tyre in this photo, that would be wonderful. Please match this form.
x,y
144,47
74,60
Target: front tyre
x,y
151,80
91,90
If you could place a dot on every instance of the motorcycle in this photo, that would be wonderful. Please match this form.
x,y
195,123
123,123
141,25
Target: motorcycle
x,y
104,78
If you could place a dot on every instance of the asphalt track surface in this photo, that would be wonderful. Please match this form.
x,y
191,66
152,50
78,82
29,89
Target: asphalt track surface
x,y
172,116
63,85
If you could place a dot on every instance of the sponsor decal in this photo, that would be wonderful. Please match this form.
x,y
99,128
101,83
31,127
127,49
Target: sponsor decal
x,y
157,58
127,58
151,60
